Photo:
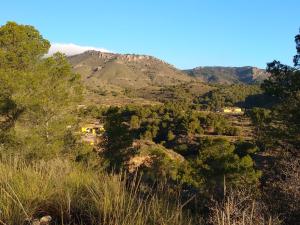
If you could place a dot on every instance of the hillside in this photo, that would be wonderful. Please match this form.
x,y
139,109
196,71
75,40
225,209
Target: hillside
x,y
228,75
118,79
111,71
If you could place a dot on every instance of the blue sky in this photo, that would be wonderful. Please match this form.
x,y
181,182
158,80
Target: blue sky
x,y
185,33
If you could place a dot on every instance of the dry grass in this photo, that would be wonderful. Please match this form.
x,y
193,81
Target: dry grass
x,y
240,208
71,194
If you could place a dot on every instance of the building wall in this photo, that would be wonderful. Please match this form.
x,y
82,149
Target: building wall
x,y
232,110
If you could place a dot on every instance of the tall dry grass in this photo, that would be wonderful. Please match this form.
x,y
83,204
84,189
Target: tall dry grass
x,y
239,207
72,194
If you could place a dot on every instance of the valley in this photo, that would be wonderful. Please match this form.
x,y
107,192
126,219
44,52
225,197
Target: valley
x,y
106,138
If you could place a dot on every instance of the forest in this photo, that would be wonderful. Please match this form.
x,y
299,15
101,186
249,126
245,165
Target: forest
x,y
182,161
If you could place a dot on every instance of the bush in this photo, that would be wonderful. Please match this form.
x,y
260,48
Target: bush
x,y
217,162
232,131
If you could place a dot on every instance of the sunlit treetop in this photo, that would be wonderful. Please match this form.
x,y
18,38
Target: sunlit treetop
x,y
21,46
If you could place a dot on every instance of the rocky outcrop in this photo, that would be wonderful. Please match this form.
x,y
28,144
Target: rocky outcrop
x,y
149,154
124,57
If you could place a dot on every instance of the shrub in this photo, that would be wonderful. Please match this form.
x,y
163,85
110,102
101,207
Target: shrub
x,y
232,131
218,161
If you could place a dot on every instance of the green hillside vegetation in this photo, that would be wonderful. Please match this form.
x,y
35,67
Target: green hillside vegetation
x,y
230,95
169,157
182,93
229,75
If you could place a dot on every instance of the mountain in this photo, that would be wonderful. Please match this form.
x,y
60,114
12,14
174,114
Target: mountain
x,y
114,71
118,79
111,71
228,75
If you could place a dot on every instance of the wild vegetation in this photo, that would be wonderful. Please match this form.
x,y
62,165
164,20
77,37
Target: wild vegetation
x,y
229,75
229,95
179,161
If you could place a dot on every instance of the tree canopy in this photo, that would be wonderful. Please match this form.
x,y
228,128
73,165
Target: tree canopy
x,y
21,46
37,94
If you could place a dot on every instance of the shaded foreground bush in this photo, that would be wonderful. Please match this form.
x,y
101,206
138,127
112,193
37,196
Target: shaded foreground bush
x,y
71,194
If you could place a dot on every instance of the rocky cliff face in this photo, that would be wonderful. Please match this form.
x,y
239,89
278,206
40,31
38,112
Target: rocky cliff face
x,y
125,57
126,71
229,75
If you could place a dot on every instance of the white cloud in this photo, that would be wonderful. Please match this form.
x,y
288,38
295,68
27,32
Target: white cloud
x,y
71,49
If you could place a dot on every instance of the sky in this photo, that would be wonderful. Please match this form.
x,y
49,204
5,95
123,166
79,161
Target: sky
x,y
185,33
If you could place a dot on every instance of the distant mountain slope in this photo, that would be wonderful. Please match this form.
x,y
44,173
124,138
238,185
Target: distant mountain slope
x,y
109,70
228,75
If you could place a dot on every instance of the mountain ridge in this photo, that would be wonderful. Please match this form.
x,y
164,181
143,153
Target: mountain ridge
x,y
125,70
228,75
114,71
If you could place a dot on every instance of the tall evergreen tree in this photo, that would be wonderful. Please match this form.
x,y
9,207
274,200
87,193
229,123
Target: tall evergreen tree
x,y
37,94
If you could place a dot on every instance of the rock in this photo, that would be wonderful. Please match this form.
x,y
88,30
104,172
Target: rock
x,y
35,222
137,161
147,153
45,220
98,68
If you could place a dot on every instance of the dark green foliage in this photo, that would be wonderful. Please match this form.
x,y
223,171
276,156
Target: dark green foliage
x,y
260,100
281,122
279,133
243,148
206,162
219,125
182,149
119,136
233,95
218,161
229,75
92,111
162,124
8,109
232,131
260,116
37,95
283,82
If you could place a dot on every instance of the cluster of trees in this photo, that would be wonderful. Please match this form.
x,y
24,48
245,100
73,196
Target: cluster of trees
x,y
205,162
228,95
277,125
284,86
164,124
